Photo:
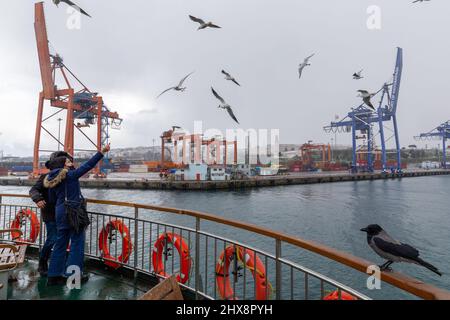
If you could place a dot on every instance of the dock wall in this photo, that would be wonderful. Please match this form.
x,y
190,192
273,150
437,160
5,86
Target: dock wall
x,y
235,184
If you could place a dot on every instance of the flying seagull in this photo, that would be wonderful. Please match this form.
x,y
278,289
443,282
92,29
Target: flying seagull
x,y
224,105
179,87
175,127
203,24
357,75
229,77
420,1
392,250
366,97
73,5
303,65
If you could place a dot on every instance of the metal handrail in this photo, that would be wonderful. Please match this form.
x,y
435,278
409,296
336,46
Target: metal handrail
x,y
406,283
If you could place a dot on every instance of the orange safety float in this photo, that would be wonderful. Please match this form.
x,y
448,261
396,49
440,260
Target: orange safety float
x,y
18,222
183,250
335,296
127,246
247,258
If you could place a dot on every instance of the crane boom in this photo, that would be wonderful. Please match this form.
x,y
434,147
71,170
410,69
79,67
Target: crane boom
x,y
397,80
40,28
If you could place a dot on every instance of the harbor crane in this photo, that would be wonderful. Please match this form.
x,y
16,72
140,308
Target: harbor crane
x,y
363,120
83,107
441,132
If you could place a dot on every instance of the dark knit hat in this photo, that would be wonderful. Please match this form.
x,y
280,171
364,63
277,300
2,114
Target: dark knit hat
x,y
58,160
57,163
58,154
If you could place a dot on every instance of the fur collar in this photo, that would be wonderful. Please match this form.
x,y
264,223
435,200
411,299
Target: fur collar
x,y
49,184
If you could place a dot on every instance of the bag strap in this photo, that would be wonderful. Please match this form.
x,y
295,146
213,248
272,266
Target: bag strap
x,y
65,190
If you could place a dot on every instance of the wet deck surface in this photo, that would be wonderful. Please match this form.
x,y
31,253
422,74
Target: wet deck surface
x,y
101,286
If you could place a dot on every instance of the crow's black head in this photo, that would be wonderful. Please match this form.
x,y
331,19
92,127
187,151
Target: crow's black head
x,y
372,229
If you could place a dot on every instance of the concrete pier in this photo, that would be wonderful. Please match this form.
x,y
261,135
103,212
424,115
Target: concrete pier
x,y
254,182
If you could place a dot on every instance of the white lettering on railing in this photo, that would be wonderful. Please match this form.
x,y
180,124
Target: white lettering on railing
x,y
374,281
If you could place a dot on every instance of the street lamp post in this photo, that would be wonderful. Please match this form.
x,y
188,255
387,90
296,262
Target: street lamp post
x,y
59,133
332,150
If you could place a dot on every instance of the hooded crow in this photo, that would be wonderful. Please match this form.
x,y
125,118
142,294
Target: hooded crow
x,y
392,250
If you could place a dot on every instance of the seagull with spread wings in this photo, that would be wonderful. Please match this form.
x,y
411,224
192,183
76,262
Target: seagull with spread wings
x,y
224,105
366,97
203,24
420,1
179,87
357,75
73,5
303,65
229,77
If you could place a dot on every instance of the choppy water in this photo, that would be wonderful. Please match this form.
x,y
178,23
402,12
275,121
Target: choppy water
x,y
415,211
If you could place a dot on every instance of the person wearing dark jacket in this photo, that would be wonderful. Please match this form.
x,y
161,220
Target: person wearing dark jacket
x,y
39,195
63,184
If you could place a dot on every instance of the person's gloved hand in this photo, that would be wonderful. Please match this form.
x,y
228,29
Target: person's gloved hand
x,y
106,148
41,204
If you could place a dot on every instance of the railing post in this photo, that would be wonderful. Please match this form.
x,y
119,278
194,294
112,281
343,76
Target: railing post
x,y
40,231
136,240
278,269
197,256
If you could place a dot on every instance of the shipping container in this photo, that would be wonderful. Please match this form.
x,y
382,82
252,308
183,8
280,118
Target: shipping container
x,y
22,169
3,172
138,168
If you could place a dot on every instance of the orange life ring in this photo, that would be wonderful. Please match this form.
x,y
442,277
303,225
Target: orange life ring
x,y
103,245
183,250
335,296
247,258
34,225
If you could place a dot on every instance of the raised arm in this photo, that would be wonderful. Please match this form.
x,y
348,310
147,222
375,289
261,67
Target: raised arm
x,y
88,165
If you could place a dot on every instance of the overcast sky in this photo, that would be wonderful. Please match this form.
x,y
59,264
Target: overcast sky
x,y
132,50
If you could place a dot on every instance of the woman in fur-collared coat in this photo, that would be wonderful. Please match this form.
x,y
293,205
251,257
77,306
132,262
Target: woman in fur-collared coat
x,y
63,183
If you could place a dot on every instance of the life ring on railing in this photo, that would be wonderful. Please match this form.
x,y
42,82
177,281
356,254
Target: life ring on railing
x,y
18,221
183,250
247,258
127,246
335,296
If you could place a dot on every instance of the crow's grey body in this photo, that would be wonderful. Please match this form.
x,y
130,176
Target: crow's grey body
x,y
387,247
392,250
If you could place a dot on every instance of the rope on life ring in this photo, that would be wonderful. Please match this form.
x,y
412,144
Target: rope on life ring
x,y
183,250
246,258
104,241
18,223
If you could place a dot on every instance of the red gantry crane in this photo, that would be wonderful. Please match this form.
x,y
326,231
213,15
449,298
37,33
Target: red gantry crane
x,y
82,106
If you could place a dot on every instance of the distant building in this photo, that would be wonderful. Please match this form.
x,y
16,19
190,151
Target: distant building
x,y
218,173
193,172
